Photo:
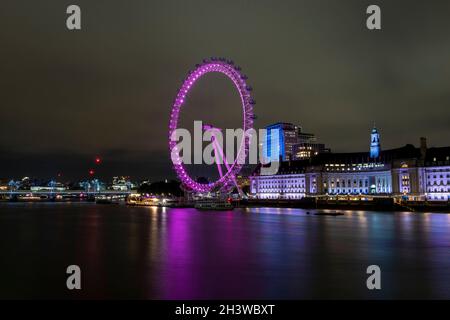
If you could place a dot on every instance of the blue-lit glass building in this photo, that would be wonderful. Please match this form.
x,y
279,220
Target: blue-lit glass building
x,y
280,140
375,147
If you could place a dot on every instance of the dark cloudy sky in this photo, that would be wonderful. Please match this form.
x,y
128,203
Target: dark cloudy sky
x,y
66,96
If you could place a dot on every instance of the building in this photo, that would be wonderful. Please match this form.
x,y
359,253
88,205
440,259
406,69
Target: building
x,y
375,147
304,137
285,140
93,185
280,139
307,147
307,150
4,185
122,183
51,186
435,174
410,173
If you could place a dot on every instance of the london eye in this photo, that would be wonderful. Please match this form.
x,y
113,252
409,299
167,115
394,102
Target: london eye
x,y
227,170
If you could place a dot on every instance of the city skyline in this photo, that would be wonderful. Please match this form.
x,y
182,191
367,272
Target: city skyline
x,y
99,171
107,89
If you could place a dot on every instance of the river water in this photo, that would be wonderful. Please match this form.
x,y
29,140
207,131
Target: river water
x,y
256,253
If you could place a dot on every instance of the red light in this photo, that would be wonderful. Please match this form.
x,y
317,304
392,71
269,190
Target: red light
x,y
91,172
98,160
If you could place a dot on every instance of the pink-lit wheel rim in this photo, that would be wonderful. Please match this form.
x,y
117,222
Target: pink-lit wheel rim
x,y
233,72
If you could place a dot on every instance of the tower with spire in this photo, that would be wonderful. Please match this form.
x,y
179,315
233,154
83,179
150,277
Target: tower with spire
x,y
374,143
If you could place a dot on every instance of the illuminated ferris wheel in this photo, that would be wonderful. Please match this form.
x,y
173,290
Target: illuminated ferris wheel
x,y
227,173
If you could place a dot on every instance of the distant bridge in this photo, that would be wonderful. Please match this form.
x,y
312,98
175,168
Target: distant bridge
x,y
67,192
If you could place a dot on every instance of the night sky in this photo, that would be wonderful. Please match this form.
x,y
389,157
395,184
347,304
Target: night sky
x,y
67,96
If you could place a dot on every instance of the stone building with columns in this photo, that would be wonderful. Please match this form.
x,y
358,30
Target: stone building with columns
x,y
409,173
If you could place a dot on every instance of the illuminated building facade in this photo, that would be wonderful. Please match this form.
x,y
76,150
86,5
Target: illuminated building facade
x,y
51,186
3,185
286,141
326,174
280,139
375,147
122,183
436,174
288,186
308,150
409,173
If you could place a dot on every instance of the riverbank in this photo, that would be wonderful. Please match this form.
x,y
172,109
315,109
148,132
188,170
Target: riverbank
x,y
378,205
305,203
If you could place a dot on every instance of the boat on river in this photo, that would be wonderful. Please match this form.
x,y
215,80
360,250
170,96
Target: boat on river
x,y
332,213
213,204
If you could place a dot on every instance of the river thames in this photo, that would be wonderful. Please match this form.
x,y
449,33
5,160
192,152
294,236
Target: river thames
x,y
256,253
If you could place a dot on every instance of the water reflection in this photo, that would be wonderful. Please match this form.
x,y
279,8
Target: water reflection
x,y
161,253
